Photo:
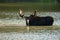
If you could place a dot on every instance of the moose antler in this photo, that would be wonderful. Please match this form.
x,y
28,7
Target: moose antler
x,y
20,13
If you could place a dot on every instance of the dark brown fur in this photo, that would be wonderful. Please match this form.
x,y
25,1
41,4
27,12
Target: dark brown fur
x,y
40,21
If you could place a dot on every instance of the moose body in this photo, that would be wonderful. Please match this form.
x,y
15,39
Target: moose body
x,y
41,21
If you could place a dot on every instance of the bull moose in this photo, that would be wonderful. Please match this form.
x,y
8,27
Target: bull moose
x,y
35,20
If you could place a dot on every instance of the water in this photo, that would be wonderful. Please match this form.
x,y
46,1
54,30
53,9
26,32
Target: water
x,y
13,19
44,35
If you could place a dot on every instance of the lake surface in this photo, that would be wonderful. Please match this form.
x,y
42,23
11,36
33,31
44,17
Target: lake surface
x,y
43,35
13,19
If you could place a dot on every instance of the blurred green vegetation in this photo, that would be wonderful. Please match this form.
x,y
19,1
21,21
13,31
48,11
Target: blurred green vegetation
x,y
48,7
14,1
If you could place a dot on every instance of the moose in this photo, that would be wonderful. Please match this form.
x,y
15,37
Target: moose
x,y
35,20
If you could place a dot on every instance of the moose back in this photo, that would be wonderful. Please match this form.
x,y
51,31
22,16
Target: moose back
x,y
40,21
